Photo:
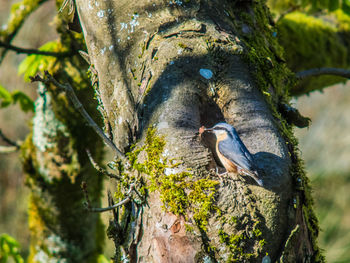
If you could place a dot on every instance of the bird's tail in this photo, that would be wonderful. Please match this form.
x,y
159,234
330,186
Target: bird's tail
x,y
255,176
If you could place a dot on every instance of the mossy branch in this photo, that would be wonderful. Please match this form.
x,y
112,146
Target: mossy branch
x,y
48,79
31,51
323,71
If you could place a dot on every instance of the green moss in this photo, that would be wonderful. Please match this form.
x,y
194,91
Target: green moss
x,y
180,192
274,79
182,45
310,42
343,20
237,244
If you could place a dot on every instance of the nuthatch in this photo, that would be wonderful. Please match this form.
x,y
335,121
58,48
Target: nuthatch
x,y
231,151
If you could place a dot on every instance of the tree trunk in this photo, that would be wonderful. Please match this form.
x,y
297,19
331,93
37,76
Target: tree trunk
x,y
176,66
56,163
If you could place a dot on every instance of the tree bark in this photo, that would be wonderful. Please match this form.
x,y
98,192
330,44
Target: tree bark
x,y
154,62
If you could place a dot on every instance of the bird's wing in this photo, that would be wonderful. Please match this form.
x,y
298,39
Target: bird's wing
x,y
236,152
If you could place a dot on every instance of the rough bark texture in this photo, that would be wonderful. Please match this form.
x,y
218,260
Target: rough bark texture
x,y
148,55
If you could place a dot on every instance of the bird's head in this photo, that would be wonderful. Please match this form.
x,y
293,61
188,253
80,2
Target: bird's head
x,y
221,129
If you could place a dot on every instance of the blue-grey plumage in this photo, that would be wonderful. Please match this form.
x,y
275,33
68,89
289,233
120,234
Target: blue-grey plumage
x,y
231,151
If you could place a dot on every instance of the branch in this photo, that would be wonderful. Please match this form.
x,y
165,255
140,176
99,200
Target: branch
x,y
345,73
100,210
108,208
293,116
48,79
100,169
10,142
30,51
289,10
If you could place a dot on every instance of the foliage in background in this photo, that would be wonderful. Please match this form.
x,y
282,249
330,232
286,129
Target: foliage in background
x,y
8,98
310,6
313,34
33,64
332,201
9,248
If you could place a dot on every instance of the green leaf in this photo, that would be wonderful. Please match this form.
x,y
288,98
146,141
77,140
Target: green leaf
x,y
50,46
26,103
28,67
5,97
9,248
103,259
34,63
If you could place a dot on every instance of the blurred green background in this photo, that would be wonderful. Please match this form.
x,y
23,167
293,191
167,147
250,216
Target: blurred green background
x,y
325,146
14,123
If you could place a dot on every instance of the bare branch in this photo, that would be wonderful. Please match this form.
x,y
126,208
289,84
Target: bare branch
x,y
99,168
289,10
293,116
100,210
112,207
10,142
48,79
30,51
323,71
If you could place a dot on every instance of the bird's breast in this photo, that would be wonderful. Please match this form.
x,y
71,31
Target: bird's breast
x,y
229,166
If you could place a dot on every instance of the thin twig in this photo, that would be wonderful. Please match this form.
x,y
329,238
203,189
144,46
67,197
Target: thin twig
x,y
31,51
104,209
10,142
112,207
77,104
99,168
289,10
323,71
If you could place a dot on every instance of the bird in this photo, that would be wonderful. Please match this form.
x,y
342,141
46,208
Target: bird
x,y
232,152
